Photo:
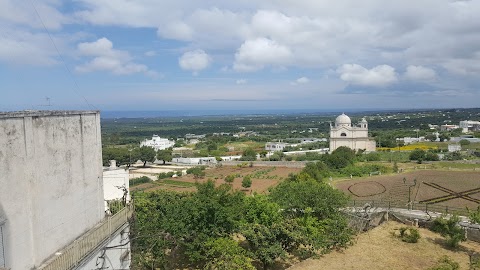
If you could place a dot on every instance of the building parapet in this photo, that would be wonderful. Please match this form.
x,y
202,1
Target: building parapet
x,y
73,254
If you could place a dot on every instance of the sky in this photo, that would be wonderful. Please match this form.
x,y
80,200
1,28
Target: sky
x,y
239,55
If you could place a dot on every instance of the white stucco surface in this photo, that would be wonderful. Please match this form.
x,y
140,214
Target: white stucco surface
x,y
115,180
51,182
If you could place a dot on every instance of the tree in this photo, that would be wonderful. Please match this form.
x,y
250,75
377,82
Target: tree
x,y
145,154
417,154
431,137
165,155
430,156
340,158
229,179
464,142
198,171
444,137
305,192
225,254
249,155
120,154
246,182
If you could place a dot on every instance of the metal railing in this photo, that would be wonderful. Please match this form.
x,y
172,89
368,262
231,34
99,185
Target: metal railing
x,y
76,251
443,209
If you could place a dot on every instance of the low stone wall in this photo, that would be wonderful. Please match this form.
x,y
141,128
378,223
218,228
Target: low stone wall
x,y
363,221
289,164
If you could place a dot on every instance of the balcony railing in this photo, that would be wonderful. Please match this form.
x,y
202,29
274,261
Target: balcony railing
x,y
74,253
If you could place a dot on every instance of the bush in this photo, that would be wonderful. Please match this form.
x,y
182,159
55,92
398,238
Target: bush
x,y
374,156
430,156
198,171
464,142
409,235
449,229
164,175
417,154
445,263
229,178
474,216
246,182
139,180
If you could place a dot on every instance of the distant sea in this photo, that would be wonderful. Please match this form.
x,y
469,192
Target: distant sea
x,y
152,114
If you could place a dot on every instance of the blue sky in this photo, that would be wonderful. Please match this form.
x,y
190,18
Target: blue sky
x,y
234,55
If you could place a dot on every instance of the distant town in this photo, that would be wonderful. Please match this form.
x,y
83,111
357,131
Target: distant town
x,y
247,176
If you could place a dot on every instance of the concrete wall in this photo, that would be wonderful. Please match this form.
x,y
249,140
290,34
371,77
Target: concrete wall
x,y
51,181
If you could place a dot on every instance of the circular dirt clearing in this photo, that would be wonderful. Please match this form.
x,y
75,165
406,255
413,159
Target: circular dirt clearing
x,y
367,189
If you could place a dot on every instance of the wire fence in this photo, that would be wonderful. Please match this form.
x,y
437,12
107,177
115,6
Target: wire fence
x,y
443,209
74,253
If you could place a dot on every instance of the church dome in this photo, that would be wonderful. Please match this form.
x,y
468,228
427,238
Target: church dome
x,y
343,119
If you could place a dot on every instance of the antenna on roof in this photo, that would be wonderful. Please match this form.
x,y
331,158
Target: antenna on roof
x,y
48,103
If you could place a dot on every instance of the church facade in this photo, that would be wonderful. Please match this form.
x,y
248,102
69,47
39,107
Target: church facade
x,y
343,133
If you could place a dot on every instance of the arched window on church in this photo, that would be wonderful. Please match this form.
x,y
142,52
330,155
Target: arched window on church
x,y
343,134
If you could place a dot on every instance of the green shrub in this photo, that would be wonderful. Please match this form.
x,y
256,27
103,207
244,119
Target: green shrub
x,y
229,178
474,215
409,235
445,263
139,180
449,229
164,175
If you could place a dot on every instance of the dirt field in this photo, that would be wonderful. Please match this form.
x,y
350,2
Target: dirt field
x,y
377,249
431,184
262,178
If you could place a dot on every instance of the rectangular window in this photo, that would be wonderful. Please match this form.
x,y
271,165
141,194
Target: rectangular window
x,y
2,247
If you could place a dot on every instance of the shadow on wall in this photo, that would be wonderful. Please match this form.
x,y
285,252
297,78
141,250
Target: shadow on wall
x,y
3,237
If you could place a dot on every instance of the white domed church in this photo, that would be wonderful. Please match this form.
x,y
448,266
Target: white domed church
x,y
343,133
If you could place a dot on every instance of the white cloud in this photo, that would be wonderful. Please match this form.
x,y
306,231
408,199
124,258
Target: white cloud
x,y
378,76
108,59
241,81
420,73
303,80
194,61
176,30
19,47
21,12
257,53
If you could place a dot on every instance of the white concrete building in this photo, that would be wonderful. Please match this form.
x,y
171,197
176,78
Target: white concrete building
x,y
454,147
195,160
52,213
468,125
343,133
115,184
276,146
158,143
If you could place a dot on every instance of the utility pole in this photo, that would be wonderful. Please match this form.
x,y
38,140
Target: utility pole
x,y
409,188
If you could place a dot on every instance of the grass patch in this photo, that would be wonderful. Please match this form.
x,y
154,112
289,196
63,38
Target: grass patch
x,y
457,165
177,183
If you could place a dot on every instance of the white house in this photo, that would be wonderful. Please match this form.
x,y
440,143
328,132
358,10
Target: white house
x,y
343,133
454,147
158,143
115,184
468,125
276,146
52,213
